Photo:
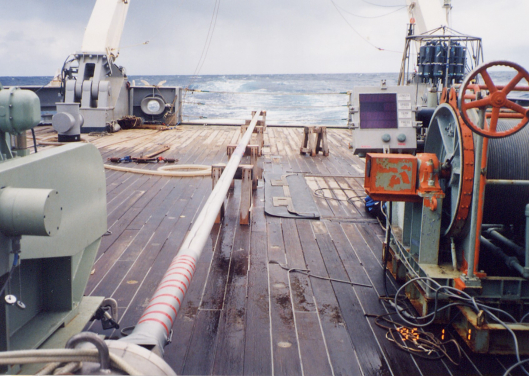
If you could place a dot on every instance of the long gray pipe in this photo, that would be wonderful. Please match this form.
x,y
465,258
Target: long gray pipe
x,y
506,242
511,262
154,327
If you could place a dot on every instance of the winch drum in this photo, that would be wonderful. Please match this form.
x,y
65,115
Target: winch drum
x,y
507,159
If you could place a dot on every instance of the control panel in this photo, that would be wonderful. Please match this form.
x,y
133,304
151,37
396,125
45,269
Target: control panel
x,y
383,119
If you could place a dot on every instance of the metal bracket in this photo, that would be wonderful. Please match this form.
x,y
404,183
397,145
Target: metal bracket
x,y
108,314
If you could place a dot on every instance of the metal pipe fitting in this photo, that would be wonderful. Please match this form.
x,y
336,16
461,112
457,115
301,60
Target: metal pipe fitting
x,y
505,241
453,252
21,141
101,346
511,262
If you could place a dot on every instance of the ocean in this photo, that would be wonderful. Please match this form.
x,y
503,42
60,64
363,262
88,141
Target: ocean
x,y
289,99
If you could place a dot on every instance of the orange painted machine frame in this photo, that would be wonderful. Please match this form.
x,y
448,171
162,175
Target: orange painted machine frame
x,y
397,177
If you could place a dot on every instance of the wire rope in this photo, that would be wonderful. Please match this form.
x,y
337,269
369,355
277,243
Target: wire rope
x,y
309,274
205,49
15,262
214,20
357,33
251,106
382,6
382,15
263,93
162,28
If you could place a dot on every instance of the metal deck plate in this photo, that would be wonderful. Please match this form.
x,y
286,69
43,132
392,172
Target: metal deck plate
x,y
301,203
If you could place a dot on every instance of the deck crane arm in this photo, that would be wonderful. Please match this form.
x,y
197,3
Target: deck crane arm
x,y
103,33
95,88
429,14
95,92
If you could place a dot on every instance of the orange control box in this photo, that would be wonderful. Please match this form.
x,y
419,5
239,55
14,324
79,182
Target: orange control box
x,y
391,177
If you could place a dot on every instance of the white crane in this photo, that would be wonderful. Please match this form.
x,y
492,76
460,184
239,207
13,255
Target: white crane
x,y
428,15
95,93
103,33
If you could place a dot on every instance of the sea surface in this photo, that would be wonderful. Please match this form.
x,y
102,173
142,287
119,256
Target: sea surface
x,y
289,99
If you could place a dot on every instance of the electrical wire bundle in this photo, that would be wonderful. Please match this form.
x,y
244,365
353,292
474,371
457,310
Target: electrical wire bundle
x,y
15,263
417,342
321,194
456,298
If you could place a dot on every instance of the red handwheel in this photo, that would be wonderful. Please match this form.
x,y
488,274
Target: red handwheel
x,y
495,100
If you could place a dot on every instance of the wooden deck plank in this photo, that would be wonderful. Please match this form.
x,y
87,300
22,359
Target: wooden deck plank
x,y
321,203
328,195
369,297
312,346
299,283
114,212
166,193
145,231
104,263
201,362
355,195
229,358
117,225
153,261
341,352
257,351
372,360
342,194
215,285
286,360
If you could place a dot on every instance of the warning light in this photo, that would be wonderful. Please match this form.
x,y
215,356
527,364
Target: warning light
x,y
443,335
469,334
408,334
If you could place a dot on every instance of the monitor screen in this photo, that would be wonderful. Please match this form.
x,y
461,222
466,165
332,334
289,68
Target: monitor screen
x,y
378,111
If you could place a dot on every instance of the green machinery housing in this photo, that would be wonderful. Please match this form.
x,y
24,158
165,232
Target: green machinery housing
x,y
52,218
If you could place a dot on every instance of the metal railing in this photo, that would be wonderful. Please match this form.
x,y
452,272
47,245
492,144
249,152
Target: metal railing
x,y
206,107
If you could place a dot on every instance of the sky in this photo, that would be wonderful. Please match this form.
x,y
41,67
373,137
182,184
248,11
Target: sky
x,y
250,36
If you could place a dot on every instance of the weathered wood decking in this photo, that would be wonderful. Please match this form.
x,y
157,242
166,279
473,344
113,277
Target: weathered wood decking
x,y
243,314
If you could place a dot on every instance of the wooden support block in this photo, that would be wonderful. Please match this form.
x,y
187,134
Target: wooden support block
x,y
321,144
246,195
259,125
254,155
263,116
216,172
314,141
254,151
306,145
260,138
247,152
229,151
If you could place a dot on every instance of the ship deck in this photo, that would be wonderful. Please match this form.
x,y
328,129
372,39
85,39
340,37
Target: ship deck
x,y
243,314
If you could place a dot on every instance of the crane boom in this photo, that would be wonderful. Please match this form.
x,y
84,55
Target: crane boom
x,y
103,33
429,14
